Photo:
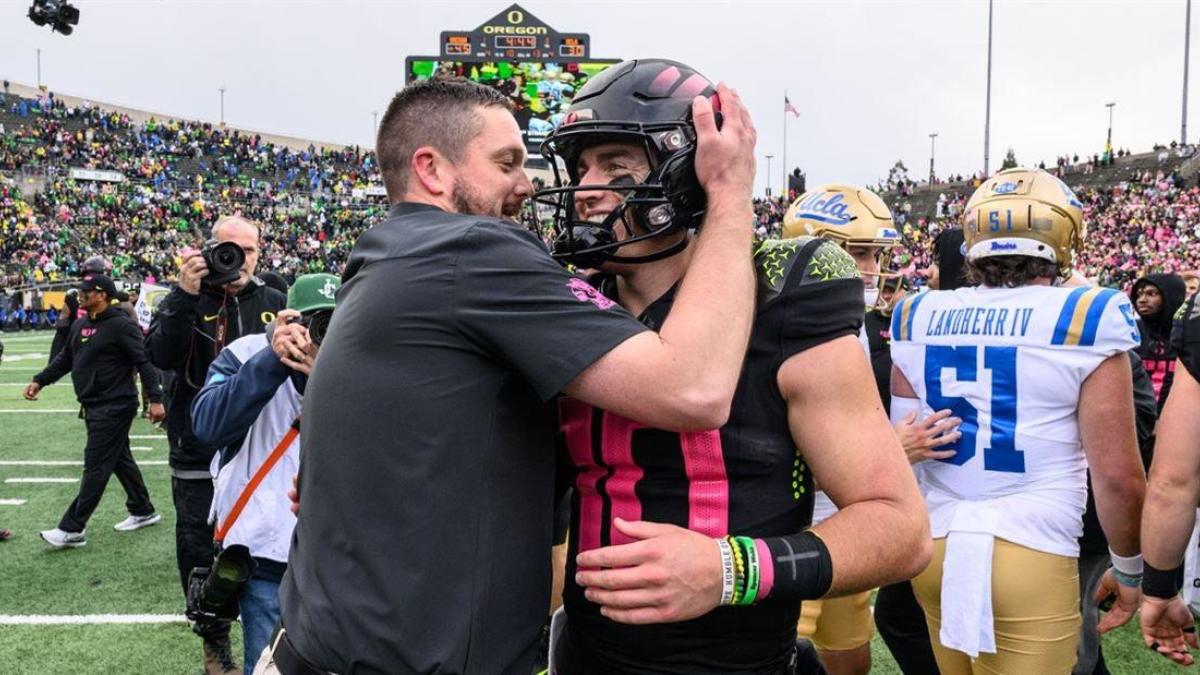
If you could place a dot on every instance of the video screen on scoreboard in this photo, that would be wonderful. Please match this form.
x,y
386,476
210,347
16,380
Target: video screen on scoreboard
x,y
540,92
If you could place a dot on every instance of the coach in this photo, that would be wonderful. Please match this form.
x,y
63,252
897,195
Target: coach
x,y
103,348
426,490
193,324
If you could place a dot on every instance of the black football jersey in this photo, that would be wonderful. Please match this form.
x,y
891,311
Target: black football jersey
x,y
1185,336
746,478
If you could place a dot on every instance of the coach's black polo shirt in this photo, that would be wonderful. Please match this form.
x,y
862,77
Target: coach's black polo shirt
x,y
427,456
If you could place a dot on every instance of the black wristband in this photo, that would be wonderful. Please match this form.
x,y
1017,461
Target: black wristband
x,y
1161,583
802,565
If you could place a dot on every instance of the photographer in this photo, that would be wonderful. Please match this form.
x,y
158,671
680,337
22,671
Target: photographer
x,y
216,301
246,408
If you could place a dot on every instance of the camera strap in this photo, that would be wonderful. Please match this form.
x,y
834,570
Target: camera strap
x,y
262,472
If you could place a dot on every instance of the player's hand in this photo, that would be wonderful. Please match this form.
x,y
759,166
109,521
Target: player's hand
x,y
31,391
291,343
1125,605
157,413
920,438
1168,628
669,574
724,157
192,271
294,494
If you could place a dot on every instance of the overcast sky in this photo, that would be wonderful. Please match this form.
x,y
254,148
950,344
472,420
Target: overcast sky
x,y
872,80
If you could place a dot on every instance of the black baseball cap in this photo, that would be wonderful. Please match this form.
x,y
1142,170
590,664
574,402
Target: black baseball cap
x,y
99,282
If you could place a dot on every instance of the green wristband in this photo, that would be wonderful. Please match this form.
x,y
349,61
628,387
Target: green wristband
x,y
752,569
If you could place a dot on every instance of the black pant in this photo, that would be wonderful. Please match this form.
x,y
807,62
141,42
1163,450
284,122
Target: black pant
x,y
1090,658
193,533
901,624
107,452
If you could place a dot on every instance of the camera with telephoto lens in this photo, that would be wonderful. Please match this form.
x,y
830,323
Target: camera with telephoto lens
x,y
317,324
224,260
212,591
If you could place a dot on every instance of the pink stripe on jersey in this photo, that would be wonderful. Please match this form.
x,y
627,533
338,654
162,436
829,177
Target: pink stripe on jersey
x,y
708,486
766,569
575,417
617,444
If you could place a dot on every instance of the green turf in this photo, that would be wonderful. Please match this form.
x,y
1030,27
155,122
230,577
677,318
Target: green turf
x,y
134,572
116,573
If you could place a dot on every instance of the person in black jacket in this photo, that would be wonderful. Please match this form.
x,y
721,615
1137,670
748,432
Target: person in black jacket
x,y
193,323
100,352
1156,297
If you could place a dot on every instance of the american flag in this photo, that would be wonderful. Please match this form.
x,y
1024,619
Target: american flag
x,y
788,107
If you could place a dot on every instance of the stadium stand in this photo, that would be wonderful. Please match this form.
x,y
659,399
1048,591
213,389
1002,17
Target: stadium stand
x,y
177,176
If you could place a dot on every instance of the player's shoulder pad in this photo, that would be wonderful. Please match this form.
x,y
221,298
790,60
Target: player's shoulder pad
x,y
1096,317
783,264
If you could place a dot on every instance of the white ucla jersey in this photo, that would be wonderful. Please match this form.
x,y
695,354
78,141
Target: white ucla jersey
x,y
1010,363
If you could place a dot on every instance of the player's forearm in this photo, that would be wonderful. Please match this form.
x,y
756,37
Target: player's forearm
x,y
875,543
1174,487
709,325
1119,508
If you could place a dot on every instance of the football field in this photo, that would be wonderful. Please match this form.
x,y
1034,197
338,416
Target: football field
x,y
115,605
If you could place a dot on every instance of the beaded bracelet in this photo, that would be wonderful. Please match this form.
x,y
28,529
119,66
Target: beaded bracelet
x,y
739,567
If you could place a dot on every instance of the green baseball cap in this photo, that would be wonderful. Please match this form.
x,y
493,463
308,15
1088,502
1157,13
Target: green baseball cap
x,y
312,292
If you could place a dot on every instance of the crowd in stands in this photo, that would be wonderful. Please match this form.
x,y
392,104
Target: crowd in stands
x,y
180,176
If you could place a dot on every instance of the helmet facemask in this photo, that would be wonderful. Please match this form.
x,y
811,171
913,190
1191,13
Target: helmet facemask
x,y
872,281
667,201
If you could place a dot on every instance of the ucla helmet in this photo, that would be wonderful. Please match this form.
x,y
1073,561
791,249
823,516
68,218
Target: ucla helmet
x,y
848,215
647,102
1024,212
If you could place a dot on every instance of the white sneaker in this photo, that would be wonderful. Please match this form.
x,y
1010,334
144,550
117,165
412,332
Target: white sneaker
x,y
137,522
60,539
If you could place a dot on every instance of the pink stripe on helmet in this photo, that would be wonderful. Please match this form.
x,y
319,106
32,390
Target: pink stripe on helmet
x,y
662,84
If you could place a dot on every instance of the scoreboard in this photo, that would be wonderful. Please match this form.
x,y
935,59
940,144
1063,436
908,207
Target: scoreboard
x,y
515,35
536,67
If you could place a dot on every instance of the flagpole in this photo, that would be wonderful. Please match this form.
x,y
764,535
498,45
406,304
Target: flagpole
x,y
784,170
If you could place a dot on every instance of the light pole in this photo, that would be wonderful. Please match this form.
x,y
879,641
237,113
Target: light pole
x,y
39,67
987,118
1187,43
769,158
1108,145
222,90
932,140
374,123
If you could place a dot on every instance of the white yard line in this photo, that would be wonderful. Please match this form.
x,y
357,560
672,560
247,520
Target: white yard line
x,y
68,462
12,502
48,411
86,619
41,480
136,437
142,448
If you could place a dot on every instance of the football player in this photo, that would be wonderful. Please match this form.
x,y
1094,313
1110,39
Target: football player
x,y
705,535
1171,499
857,220
1039,375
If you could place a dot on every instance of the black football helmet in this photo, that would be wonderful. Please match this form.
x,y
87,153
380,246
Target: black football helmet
x,y
647,102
